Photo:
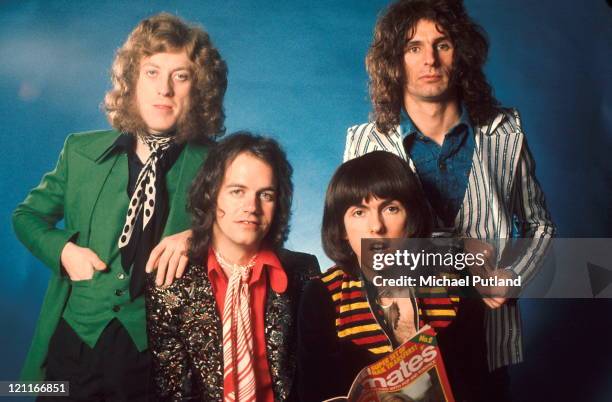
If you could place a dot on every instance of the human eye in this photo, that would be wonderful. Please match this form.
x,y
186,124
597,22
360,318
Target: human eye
x,y
393,208
267,196
237,192
182,76
150,72
444,46
412,49
358,213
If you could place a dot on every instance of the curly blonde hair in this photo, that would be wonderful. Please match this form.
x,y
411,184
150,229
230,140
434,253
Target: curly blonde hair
x,y
167,33
384,61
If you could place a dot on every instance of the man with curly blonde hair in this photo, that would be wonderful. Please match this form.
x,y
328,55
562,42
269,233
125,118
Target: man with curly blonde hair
x,y
432,106
122,195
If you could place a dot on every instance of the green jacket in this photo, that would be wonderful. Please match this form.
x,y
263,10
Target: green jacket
x,y
87,189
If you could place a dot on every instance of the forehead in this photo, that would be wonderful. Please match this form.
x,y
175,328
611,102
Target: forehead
x,y
425,29
374,201
248,170
175,59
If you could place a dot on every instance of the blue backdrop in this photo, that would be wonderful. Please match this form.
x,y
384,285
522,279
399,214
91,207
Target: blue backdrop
x,y
296,72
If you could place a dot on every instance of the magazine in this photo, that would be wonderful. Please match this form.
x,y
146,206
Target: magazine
x,y
414,372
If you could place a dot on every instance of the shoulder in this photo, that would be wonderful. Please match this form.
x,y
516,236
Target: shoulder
x,y
506,121
200,149
319,292
303,265
185,289
91,144
357,133
365,137
332,274
361,128
92,137
315,290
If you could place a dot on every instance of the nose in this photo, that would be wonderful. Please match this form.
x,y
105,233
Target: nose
x,y
164,87
251,204
430,56
376,224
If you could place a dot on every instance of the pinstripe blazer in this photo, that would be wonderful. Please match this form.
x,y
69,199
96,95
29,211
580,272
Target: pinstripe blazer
x,y
502,191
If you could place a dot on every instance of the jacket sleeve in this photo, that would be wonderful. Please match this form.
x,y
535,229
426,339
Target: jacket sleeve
x,y
35,219
531,216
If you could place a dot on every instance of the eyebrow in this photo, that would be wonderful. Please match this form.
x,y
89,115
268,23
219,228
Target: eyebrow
x,y
383,204
149,63
242,186
437,40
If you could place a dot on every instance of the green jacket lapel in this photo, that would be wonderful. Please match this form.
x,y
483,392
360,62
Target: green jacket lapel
x,y
102,199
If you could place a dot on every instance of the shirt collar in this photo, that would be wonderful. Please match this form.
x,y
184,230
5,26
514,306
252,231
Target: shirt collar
x,y
266,258
407,126
125,142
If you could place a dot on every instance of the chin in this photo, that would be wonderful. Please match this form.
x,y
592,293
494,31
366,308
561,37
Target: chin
x,y
159,126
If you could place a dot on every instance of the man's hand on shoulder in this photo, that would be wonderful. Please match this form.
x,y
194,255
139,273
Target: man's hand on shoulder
x,y
80,263
169,258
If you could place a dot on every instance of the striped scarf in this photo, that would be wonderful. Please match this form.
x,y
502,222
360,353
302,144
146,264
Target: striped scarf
x,y
238,365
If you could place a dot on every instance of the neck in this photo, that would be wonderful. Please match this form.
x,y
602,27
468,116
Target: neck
x,y
142,150
434,119
234,254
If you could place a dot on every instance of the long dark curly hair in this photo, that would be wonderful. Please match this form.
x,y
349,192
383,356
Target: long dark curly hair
x,y
166,33
202,202
384,61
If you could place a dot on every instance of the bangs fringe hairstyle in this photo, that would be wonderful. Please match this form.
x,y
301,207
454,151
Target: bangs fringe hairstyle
x,y
377,174
202,202
384,61
167,33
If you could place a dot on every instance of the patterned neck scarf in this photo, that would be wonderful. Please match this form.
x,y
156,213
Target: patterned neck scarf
x,y
143,199
238,368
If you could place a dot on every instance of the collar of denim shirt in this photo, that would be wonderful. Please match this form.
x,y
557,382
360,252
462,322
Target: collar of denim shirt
x,y
407,126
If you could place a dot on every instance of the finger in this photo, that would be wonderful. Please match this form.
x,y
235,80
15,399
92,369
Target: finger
x,y
153,258
499,301
172,267
91,269
84,272
96,262
182,265
162,266
492,303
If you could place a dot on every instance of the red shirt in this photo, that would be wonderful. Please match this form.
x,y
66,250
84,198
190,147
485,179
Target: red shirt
x,y
266,261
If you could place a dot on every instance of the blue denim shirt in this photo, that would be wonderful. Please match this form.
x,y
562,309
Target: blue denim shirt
x,y
443,170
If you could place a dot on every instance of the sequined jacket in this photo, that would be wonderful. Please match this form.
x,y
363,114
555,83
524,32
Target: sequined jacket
x,y
185,333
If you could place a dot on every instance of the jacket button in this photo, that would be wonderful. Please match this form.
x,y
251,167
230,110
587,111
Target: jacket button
x,y
119,292
442,166
116,309
121,276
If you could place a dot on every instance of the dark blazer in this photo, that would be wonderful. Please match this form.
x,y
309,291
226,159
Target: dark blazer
x,y
186,336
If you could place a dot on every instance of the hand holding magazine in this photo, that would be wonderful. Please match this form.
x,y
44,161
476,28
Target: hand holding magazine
x,y
414,372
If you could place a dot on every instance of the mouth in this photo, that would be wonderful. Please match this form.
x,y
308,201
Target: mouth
x,y
248,223
431,77
163,107
379,246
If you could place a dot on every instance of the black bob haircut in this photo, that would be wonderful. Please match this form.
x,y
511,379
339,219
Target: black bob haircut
x,y
377,174
202,202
